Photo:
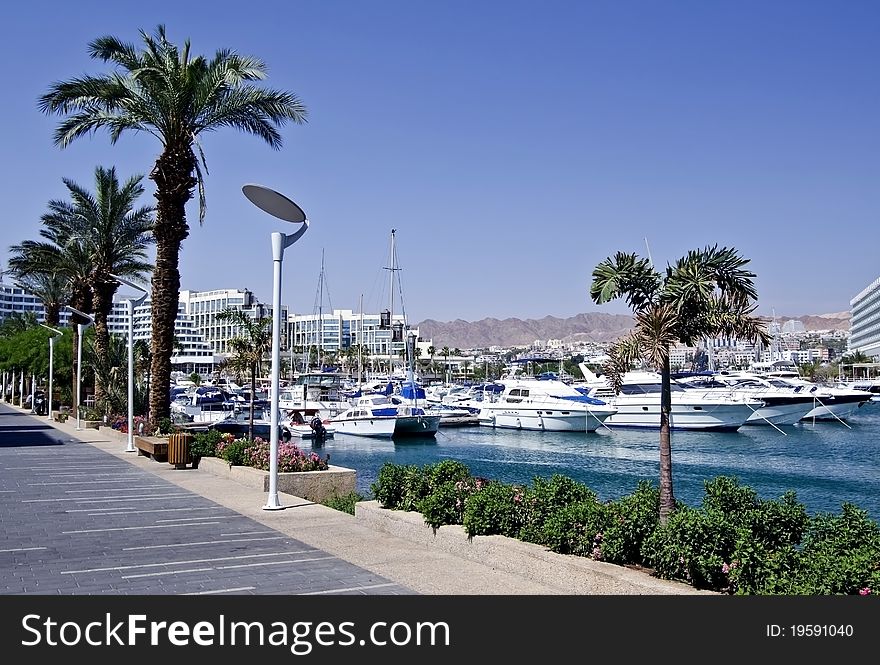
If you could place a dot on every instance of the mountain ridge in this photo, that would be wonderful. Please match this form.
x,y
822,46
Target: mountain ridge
x,y
585,327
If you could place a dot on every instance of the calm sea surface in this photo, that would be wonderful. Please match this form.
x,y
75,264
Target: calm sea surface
x,y
826,463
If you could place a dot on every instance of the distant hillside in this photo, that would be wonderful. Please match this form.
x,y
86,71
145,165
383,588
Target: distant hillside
x,y
588,327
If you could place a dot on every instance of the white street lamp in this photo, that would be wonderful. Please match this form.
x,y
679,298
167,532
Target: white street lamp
x,y
277,205
52,339
131,304
81,329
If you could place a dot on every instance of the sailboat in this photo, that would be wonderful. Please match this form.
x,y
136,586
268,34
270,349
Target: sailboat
x,y
412,419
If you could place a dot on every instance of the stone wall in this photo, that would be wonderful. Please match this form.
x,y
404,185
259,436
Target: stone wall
x,y
317,486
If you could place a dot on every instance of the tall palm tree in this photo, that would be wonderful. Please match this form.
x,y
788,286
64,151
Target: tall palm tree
x,y
446,366
167,92
51,289
248,348
115,235
61,254
706,293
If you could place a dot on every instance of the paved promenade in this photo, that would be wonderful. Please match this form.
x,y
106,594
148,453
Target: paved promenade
x,y
79,515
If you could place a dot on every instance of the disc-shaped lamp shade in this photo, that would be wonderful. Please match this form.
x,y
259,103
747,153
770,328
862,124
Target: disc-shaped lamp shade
x,y
277,205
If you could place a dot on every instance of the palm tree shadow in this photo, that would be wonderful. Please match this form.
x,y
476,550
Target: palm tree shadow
x,y
28,436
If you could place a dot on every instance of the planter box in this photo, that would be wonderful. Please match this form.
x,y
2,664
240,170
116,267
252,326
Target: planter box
x,y
152,446
91,424
317,486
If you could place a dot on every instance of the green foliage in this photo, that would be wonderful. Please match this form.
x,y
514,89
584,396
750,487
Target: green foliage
x,y
692,546
446,503
545,498
733,542
629,522
164,427
495,509
399,487
840,554
204,444
234,452
576,529
344,502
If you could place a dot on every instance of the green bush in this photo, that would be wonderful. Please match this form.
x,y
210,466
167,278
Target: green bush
x,y
576,529
840,555
445,471
399,487
496,508
344,502
630,521
204,444
446,504
693,546
545,498
234,452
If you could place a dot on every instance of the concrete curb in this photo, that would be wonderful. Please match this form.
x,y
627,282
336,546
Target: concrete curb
x,y
569,574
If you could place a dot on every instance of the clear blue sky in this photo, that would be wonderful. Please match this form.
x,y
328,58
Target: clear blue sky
x,y
513,145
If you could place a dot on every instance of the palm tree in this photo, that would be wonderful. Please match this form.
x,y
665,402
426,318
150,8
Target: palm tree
x,y
115,236
176,97
446,366
51,289
248,348
61,255
705,294
431,352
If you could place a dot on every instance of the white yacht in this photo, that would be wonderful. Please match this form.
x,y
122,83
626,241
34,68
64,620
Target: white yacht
x,y
782,405
829,402
638,405
364,420
544,404
371,414
323,392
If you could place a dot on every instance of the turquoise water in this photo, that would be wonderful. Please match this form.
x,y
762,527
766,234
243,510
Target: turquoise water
x,y
826,463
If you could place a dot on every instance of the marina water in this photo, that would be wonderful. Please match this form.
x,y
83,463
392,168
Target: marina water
x,y
826,463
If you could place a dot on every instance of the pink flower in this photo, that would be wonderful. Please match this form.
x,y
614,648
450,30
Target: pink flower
x,y
725,568
864,592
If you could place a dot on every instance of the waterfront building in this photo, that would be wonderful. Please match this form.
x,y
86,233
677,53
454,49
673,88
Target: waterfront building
x,y
333,333
865,321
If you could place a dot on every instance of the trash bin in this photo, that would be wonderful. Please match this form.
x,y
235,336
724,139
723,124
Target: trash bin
x,y
178,449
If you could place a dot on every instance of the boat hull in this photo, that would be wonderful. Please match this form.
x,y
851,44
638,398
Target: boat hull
x,y
378,427
780,412
725,417
416,425
543,420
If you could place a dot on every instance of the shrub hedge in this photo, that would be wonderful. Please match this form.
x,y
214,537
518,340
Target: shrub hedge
x,y
733,542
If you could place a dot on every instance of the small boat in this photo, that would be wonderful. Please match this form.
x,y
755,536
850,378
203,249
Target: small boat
x,y
305,425
364,420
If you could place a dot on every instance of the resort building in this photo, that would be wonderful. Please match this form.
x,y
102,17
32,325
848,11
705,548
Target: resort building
x,y
865,322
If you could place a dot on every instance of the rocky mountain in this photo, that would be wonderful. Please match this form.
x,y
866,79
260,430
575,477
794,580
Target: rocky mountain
x,y
587,327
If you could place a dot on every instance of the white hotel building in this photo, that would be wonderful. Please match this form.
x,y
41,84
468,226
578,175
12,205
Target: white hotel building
x,y
865,322
202,339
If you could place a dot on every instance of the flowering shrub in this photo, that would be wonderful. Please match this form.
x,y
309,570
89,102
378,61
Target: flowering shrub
x,y
290,457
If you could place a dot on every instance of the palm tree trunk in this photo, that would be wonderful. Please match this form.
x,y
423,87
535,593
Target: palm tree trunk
x,y
253,395
102,305
173,175
667,499
165,296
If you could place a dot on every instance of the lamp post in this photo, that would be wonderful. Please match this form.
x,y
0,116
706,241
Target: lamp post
x,y
277,205
131,303
80,329
52,339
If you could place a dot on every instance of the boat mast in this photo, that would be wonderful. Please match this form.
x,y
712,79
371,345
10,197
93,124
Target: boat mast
x,y
392,269
361,346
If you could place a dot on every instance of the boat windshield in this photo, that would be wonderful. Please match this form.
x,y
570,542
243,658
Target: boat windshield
x,y
646,388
